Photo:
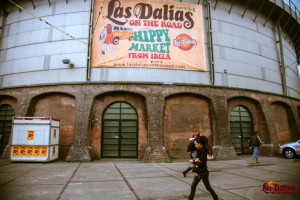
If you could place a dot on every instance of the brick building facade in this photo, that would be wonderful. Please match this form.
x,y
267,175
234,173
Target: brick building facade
x,y
167,116
244,78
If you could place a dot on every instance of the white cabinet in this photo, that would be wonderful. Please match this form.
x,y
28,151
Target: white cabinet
x,y
35,139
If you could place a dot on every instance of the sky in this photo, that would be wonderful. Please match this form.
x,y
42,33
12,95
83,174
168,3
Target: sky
x,y
297,3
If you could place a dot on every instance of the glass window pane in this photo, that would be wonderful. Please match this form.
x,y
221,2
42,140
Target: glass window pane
x,y
242,109
115,105
245,114
233,113
128,141
236,109
110,153
111,136
246,130
111,116
111,129
125,105
110,147
235,124
129,135
110,141
235,140
246,124
10,113
234,118
246,118
128,147
128,153
111,123
112,111
128,116
128,111
129,129
129,123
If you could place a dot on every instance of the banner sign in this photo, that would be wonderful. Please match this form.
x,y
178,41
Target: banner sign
x,y
148,34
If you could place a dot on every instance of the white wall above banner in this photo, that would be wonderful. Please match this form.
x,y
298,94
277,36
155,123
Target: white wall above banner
x,y
151,34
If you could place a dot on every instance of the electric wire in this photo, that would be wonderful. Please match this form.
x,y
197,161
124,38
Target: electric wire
x,y
39,18
98,16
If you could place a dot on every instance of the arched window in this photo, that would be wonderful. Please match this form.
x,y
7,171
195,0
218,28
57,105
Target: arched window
x,y
119,131
241,128
6,115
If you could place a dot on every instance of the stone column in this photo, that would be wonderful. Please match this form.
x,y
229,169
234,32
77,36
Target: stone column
x,y
23,103
155,110
80,150
272,148
222,146
296,128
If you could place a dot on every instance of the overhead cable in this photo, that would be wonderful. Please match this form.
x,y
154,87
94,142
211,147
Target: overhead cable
x,y
98,16
39,18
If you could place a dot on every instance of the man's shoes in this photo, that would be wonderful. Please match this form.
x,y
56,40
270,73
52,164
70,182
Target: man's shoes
x,y
253,162
257,161
184,174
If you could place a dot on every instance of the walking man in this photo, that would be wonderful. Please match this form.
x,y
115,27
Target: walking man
x,y
255,143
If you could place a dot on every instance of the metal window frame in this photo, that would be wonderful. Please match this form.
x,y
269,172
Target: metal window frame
x,y
119,132
240,122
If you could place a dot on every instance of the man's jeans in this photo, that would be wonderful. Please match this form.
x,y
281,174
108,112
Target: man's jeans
x,y
255,153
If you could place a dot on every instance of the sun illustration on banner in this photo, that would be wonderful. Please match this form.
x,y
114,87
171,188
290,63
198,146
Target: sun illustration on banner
x,y
184,42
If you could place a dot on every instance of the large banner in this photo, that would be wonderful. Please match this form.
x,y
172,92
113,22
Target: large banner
x,y
148,34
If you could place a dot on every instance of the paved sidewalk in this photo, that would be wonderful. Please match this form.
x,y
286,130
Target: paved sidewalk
x,y
133,180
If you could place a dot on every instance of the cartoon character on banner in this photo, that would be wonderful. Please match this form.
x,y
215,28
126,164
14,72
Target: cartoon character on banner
x,y
107,38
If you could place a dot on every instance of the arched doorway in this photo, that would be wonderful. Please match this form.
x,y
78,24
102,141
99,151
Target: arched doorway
x,y
6,115
241,128
119,132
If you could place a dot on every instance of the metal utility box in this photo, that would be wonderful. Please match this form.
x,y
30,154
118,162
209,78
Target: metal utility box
x,y
35,139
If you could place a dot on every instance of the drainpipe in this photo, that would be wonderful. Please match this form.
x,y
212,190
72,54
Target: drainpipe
x,y
210,44
282,65
88,68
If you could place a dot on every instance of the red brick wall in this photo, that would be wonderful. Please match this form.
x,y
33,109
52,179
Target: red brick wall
x,y
61,107
281,123
184,115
